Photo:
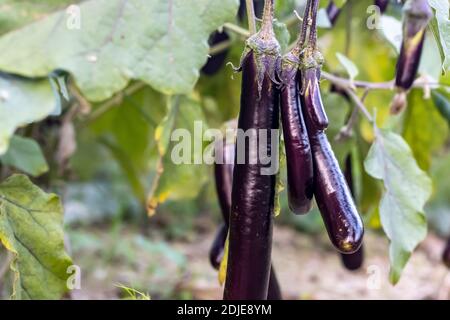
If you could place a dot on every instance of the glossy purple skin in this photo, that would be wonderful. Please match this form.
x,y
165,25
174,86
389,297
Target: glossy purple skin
x,y
274,292
312,101
223,173
333,197
224,181
382,4
333,12
417,15
218,245
251,218
298,151
353,261
446,254
216,62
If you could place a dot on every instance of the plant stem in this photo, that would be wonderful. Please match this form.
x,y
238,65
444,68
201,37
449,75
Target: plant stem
x,y
251,16
218,48
305,24
313,27
360,104
237,29
114,101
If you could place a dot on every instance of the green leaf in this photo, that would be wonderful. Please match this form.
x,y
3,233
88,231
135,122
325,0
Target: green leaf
x,y
442,31
22,102
425,130
15,14
349,66
163,43
282,34
177,181
406,190
31,227
25,154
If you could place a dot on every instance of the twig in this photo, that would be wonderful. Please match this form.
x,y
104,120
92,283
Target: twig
x,y
220,47
359,104
237,29
346,131
114,101
251,16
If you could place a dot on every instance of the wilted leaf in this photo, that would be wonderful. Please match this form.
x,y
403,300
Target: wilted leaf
x,y
441,29
26,155
407,189
31,227
163,43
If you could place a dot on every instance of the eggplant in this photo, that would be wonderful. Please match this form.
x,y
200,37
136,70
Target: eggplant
x,y
216,61
417,14
296,140
224,180
353,261
333,12
332,194
446,254
382,4
258,6
223,173
341,219
311,98
253,192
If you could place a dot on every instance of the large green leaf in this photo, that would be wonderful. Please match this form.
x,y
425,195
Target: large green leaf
x,y
161,42
31,227
425,130
22,102
407,189
441,28
15,14
25,154
176,181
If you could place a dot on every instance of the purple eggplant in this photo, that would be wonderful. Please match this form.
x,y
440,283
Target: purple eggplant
x,y
333,197
296,141
446,254
217,248
333,12
353,261
224,180
312,100
215,62
252,209
382,4
417,14
223,173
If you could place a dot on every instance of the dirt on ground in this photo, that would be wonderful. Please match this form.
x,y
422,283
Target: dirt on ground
x,y
306,265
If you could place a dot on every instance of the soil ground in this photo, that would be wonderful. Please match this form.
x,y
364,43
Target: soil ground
x,y
307,268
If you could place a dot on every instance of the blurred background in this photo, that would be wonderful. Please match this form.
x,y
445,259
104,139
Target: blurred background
x,y
104,162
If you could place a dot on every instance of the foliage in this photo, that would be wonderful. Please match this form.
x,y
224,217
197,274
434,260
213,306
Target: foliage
x,y
132,74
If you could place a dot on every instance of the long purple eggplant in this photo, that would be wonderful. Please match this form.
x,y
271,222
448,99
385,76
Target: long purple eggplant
x,y
382,4
217,249
216,61
333,197
341,219
224,180
446,254
417,14
252,209
296,141
333,12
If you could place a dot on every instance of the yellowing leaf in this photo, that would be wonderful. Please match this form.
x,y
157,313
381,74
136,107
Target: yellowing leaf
x,y
31,227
